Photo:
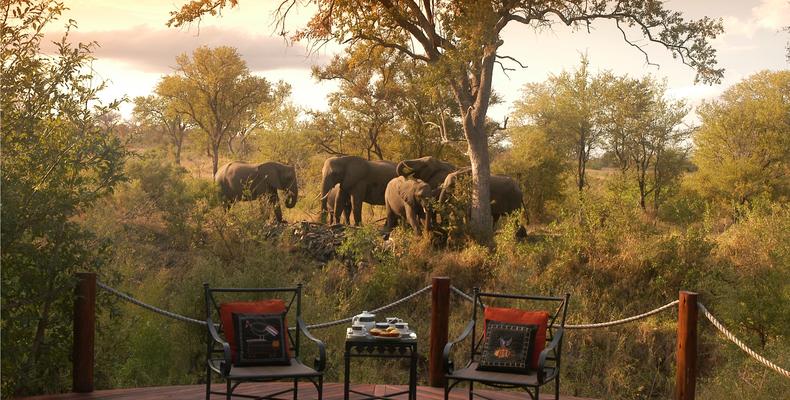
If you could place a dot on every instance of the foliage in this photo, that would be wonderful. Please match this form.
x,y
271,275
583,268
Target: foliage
x,y
57,161
743,145
160,113
535,160
394,110
646,136
569,109
582,114
215,90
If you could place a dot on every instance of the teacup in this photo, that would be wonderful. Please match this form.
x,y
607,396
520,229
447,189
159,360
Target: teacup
x,y
402,326
393,320
382,325
357,330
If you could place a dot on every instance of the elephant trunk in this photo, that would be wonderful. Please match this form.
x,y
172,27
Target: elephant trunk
x,y
404,169
326,186
429,216
291,195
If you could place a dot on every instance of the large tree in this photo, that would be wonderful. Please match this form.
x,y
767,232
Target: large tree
x,y
646,135
215,89
743,146
462,38
568,107
161,113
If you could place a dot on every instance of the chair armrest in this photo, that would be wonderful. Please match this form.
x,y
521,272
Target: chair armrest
x,y
448,363
320,361
226,363
545,353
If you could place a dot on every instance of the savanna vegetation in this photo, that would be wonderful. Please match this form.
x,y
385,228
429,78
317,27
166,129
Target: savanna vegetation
x,y
626,203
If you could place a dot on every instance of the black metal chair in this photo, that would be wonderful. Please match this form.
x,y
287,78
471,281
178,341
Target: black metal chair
x,y
548,362
219,359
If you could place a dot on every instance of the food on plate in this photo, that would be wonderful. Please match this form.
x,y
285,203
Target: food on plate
x,y
389,332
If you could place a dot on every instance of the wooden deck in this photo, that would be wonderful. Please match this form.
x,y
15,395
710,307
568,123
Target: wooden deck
x,y
332,391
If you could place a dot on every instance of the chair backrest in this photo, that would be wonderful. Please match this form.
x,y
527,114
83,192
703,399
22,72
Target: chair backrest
x,y
292,297
557,310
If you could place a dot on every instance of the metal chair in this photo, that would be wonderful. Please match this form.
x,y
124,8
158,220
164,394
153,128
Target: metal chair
x,y
548,362
219,359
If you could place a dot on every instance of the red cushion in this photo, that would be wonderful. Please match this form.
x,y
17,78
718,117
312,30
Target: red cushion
x,y
226,310
516,316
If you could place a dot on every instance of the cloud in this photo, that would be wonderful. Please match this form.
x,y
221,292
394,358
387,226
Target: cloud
x,y
154,50
770,15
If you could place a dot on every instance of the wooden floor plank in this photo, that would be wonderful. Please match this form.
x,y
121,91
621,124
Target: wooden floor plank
x,y
332,391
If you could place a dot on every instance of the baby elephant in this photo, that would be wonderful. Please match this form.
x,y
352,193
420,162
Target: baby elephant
x,y
408,198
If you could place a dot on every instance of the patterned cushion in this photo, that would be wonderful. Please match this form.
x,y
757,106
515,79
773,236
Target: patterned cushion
x,y
507,347
260,339
524,317
226,311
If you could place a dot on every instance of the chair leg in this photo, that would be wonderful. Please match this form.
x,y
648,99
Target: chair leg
x,y
321,387
557,387
228,390
296,389
208,383
471,390
537,393
446,389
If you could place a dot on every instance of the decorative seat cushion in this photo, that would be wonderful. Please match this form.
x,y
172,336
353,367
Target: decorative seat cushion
x,y
507,347
226,311
516,316
260,339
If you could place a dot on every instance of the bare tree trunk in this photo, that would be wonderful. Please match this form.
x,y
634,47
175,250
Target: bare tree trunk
x,y
580,166
178,152
215,157
481,223
230,145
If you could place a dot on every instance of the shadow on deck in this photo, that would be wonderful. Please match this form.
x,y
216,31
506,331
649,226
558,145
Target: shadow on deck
x,y
332,391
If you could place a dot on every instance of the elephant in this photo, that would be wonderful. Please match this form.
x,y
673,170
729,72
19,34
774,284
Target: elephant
x,y
506,195
239,181
409,198
360,179
343,209
429,169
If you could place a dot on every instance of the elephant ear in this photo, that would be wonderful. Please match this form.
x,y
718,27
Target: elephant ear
x,y
269,175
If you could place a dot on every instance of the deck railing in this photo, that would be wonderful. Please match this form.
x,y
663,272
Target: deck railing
x,y
686,355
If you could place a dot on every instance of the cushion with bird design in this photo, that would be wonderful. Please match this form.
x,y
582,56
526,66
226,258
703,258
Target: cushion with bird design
x,y
507,347
260,339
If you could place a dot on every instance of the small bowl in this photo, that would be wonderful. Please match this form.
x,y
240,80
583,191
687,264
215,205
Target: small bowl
x,y
402,326
382,325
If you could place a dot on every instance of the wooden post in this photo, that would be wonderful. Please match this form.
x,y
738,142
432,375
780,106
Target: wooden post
x,y
686,374
440,320
84,332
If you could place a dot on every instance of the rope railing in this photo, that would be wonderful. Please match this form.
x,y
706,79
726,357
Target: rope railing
x,y
624,320
740,344
149,307
376,310
183,318
461,293
467,297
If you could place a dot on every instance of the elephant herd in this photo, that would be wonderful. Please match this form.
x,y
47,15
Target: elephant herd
x,y
408,189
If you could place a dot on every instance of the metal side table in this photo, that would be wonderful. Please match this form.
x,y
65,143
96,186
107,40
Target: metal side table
x,y
368,346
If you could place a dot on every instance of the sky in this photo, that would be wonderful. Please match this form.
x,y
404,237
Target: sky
x,y
137,48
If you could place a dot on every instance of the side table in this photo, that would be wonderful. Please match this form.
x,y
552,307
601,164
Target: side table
x,y
367,346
